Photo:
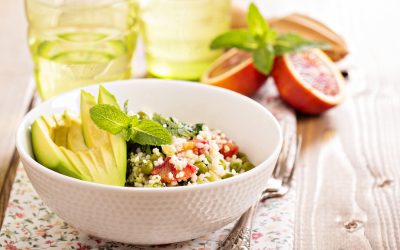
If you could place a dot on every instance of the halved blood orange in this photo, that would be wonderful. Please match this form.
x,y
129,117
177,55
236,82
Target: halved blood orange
x,y
309,81
234,70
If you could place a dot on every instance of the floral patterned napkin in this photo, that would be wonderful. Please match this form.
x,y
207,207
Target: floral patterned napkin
x,y
29,224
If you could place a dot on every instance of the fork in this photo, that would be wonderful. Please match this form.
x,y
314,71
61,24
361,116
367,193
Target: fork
x,y
278,185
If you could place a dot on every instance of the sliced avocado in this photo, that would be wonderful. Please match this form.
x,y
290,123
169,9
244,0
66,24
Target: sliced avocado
x,y
47,152
81,149
97,138
94,136
105,97
50,123
75,141
60,131
76,164
118,143
104,155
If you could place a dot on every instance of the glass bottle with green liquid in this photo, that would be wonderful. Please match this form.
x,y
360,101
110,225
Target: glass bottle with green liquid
x,y
177,35
80,42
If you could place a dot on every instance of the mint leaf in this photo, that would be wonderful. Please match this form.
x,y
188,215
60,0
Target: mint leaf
x,y
291,42
256,22
263,58
270,37
109,117
128,133
133,120
148,132
241,39
173,126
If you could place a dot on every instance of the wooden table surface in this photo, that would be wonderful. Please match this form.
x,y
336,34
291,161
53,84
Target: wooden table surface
x,y
348,179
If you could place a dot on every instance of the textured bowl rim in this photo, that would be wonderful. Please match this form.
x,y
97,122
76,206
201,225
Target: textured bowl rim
x,y
91,185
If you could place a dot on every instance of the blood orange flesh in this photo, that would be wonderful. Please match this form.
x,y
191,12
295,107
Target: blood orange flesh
x,y
309,81
315,72
234,70
230,63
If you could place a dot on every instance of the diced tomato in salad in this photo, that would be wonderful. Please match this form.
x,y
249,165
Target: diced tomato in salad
x,y
229,149
167,167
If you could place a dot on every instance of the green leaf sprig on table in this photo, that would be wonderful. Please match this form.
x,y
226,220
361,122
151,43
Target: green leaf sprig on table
x,y
134,129
263,42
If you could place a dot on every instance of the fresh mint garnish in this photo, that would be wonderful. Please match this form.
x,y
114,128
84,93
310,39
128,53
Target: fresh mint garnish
x,y
263,58
292,42
109,118
256,22
174,127
142,131
241,39
149,132
263,42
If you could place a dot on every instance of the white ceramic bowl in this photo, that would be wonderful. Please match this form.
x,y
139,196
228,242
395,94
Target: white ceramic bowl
x,y
161,215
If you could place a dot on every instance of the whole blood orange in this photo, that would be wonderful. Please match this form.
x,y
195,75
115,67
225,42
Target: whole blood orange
x,y
234,70
309,81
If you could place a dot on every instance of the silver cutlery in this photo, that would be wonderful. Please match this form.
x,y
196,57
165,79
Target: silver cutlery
x,y
278,185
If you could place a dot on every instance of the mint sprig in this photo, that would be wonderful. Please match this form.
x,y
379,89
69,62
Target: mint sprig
x,y
142,131
109,117
263,42
174,127
148,132
292,42
241,39
256,22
